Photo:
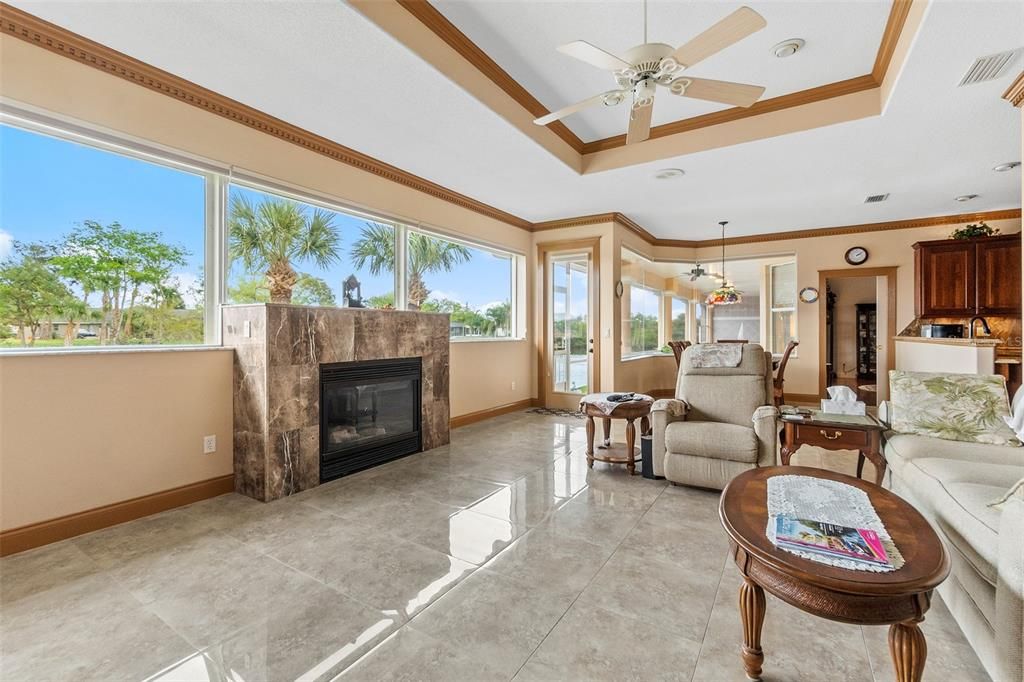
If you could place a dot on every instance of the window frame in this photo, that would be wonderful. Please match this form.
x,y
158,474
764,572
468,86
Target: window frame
x,y
658,297
669,336
218,179
772,308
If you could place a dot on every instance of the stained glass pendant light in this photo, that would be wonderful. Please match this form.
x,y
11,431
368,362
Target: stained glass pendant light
x,y
727,294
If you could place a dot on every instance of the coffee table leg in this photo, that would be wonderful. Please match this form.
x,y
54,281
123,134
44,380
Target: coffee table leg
x,y
590,441
908,650
752,612
607,426
630,441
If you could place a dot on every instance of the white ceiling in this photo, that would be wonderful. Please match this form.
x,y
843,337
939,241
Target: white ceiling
x,y
842,39
321,65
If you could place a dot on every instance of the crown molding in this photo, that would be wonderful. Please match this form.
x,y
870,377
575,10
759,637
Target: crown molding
x,y
1015,93
428,15
890,37
24,26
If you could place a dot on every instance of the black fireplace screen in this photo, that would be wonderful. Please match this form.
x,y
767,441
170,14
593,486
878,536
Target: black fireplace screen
x,y
369,414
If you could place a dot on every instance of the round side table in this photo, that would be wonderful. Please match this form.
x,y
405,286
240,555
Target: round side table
x,y
630,411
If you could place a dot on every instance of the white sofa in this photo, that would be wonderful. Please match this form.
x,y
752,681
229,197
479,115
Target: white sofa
x,y
953,484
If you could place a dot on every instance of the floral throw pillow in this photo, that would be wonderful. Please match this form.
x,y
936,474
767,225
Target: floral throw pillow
x,y
961,407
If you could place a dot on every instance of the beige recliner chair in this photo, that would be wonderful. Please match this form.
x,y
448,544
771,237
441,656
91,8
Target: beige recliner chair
x,y
721,422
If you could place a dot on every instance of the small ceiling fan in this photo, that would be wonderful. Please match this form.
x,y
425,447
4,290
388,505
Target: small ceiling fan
x,y
643,68
697,272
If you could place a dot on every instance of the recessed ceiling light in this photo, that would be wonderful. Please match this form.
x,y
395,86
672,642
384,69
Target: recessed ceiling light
x,y
669,173
787,48
966,197
1003,167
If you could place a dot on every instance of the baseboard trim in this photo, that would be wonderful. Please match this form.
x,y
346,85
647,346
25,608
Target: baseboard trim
x,y
43,533
811,398
473,417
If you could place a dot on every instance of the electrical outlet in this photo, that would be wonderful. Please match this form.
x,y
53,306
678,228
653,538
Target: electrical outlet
x,y
209,444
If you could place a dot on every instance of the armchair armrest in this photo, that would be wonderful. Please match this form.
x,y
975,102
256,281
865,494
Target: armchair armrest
x,y
663,413
1009,625
767,431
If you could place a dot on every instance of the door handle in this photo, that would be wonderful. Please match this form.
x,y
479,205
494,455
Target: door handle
x,y
834,436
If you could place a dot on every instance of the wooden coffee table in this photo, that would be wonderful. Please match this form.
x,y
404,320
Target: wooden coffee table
x,y
837,432
898,599
631,411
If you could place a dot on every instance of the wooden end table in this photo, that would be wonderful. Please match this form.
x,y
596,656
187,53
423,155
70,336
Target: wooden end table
x,y
837,432
630,411
898,598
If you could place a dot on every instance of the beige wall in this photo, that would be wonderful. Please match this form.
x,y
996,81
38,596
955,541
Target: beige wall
x,y
83,430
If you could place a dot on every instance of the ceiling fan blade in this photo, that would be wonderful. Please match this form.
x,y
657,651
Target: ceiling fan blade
x,y
736,94
726,32
639,123
595,56
573,108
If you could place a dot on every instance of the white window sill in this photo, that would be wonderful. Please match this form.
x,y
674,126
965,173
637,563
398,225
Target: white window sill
x,y
104,350
644,356
486,339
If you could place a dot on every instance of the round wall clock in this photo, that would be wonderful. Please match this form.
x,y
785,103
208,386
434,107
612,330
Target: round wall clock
x,y
856,255
808,295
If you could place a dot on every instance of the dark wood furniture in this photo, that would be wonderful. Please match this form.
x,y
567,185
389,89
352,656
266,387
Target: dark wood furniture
x,y
631,411
780,374
836,433
732,341
964,277
866,342
898,598
677,350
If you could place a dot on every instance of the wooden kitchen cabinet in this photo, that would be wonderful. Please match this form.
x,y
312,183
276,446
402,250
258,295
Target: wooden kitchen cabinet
x,y
965,277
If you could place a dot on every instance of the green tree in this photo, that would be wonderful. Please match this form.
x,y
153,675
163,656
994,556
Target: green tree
x,y
308,290
30,290
383,301
120,264
376,248
500,316
276,234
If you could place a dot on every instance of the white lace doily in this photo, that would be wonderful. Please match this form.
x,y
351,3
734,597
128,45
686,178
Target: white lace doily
x,y
808,497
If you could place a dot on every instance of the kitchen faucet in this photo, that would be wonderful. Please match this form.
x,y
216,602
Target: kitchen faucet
x,y
984,325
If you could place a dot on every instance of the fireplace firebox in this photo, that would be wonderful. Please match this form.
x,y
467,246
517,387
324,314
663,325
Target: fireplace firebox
x,y
369,414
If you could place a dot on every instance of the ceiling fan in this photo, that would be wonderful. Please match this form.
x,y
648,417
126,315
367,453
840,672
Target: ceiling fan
x,y
697,272
643,68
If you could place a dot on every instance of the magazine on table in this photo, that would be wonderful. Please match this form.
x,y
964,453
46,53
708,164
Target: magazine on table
x,y
829,539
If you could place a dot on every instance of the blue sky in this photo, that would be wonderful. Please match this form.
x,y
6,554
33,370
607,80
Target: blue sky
x,y
48,186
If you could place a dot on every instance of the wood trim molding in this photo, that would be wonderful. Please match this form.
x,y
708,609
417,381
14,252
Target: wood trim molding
x,y
64,527
434,20
457,40
890,36
1015,93
24,26
480,415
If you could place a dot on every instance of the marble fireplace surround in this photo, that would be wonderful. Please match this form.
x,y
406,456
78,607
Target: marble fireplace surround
x,y
277,382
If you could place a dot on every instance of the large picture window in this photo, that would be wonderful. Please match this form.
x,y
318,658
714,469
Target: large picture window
x,y
782,317
475,286
643,320
679,309
285,250
98,248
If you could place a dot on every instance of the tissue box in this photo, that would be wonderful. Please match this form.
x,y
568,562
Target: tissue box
x,y
842,407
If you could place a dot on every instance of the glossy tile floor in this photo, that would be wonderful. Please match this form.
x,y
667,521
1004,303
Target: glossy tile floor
x,y
500,556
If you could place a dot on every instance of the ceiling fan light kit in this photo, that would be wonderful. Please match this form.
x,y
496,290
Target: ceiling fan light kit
x,y
640,70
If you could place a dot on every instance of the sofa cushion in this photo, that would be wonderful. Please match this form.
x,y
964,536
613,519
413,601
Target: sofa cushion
x,y
900,448
957,493
956,407
712,439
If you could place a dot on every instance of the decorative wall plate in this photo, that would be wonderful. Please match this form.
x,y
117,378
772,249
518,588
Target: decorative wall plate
x,y
808,295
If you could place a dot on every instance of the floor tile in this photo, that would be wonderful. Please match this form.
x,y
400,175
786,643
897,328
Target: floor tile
x,y
493,618
44,568
558,563
412,656
600,524
529,500
593,644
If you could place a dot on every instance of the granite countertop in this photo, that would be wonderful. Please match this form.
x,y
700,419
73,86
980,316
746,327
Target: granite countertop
x,y
975,343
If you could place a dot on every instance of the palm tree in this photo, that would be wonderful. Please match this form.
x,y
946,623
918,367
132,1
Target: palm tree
x,y
376,247
277,233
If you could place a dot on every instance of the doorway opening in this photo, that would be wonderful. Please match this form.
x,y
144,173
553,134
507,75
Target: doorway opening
x,y
857,325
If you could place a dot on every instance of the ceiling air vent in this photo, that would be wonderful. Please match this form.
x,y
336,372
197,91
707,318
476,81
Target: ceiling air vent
x,y
988,68
875,198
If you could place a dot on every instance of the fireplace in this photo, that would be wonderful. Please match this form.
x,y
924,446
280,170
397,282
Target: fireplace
x,y
369,414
